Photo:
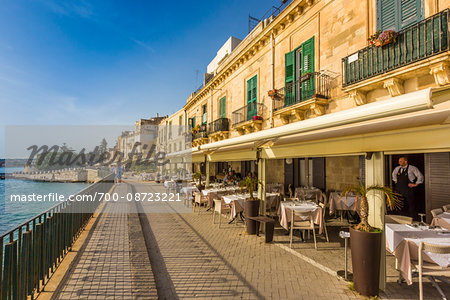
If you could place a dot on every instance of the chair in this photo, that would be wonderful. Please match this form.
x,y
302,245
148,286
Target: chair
x,y
220,207
446,207
437,211
396,219
302,220
432,271
290,199
199,200
324,205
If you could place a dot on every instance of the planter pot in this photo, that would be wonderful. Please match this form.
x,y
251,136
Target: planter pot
x,y
251,209
366,254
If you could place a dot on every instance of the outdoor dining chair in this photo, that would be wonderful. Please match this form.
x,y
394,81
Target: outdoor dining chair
x,y
199,200
429,270
302,220
446,207
220,207
324,206
396,219
436,212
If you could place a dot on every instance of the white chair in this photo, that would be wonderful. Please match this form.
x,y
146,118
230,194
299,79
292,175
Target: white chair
x,y
198,201
429,270
302,220
324,206
396,219
446,207
220,207
436,212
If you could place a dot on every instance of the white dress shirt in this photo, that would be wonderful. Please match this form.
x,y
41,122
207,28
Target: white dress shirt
x,y
414,174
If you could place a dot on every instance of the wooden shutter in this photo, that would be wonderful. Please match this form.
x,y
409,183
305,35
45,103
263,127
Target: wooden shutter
x,y
252,85
387,14
289,78
437,181
410,12
318,173
308,67
222,107
193,122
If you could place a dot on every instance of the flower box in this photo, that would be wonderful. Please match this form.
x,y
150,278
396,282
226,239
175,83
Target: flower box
x,y
380,39
257,118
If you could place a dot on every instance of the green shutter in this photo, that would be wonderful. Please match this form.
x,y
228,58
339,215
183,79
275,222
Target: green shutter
x,y
193,122
307,68
223,107
252,96
289,78
387,14
410,12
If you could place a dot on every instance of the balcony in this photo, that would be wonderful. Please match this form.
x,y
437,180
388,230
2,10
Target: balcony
x,y
422,48
219,129
309,93
200,137
248,118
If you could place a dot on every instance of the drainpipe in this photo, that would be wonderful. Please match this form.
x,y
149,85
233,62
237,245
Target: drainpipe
x,y
272,73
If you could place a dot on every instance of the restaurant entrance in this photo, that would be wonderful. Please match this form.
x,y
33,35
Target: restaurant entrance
x,y
414,159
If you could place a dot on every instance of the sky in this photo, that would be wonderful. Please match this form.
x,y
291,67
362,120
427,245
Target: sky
x,y
81,62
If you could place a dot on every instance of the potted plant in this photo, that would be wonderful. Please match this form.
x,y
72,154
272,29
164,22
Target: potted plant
x,y
383,38
365,240
257,118
251,205
198,176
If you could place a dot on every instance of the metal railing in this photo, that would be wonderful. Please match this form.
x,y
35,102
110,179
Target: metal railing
x,y
201,133
311,85
33,250
414,43
252,111
221,124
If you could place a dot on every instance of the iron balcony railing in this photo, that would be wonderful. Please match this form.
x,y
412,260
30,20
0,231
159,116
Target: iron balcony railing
x,y
32,251
311,85
201,133
252,111
221,124
416,42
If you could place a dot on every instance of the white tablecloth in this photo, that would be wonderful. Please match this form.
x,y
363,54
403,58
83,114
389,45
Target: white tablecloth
x,y
403,241
236,202
342,203
188,190
284,212
308,193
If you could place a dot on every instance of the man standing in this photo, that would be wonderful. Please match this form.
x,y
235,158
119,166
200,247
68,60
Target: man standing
x,y
407,178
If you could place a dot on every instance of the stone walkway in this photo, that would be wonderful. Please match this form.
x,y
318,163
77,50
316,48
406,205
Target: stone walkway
x,y
114,263
166,253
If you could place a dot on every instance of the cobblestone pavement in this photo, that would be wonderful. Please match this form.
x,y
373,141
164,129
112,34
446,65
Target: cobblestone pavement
x,y
114,263
184,256
203,261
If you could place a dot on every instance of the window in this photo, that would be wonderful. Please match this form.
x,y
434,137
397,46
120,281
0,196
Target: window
x,y
223,107
299,63
398,14
170,129
252,97
193,122
180,125
204,114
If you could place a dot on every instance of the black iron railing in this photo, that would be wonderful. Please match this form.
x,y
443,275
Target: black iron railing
x,y
252,111
416,42
222,124
33,250
201,133
311,85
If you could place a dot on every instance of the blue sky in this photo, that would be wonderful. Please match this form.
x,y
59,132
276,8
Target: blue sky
x,y
109,62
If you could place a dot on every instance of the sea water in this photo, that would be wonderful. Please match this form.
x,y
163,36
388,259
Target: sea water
x,y
13,214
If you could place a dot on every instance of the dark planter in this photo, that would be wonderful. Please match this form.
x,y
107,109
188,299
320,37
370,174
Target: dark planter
x,y
366,255
251,209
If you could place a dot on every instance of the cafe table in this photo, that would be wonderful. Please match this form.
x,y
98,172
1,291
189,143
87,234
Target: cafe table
x,y
284,212
236,203
336,202
403,241
442,220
